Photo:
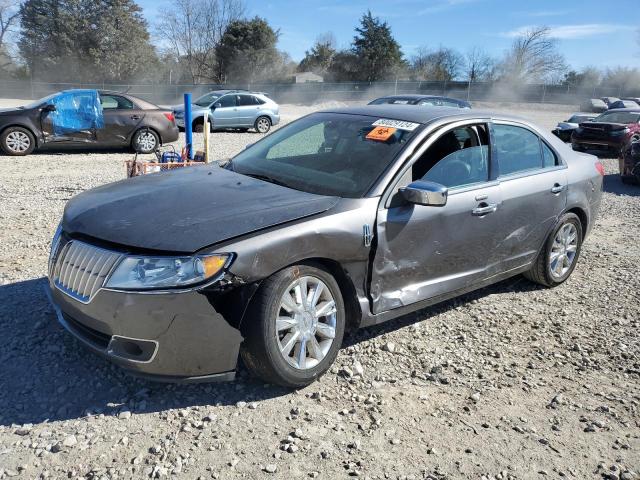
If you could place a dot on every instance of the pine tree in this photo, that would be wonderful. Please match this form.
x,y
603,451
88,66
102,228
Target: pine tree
x,y
379,55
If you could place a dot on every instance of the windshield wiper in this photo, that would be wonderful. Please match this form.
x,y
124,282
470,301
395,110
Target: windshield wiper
x,y
266,178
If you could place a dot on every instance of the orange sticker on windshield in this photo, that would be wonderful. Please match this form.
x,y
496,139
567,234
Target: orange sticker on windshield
x,y
381,134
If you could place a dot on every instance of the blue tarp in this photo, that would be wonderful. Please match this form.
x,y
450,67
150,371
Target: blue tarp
x,y
76,110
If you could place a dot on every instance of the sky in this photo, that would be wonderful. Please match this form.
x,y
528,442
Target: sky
x,y
589,32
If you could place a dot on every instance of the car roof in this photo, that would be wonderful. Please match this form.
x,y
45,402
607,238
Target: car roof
x,y
416,96
419,114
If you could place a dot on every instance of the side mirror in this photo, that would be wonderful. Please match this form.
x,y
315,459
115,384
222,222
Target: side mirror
x,y
422,192
217,105
49,107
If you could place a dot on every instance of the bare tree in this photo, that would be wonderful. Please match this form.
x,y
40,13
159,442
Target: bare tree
x,y
533,57
193,29
479,65
443,64
9,14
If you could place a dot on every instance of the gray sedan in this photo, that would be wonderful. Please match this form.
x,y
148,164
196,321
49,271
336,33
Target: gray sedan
x,y
342,219
232,109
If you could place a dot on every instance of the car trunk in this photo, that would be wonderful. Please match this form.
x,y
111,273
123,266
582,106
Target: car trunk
x,y
600,131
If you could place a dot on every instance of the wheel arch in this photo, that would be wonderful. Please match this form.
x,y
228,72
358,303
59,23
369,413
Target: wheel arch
x,y
347,289
582,215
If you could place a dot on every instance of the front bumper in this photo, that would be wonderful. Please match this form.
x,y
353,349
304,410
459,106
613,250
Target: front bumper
x,y
176,337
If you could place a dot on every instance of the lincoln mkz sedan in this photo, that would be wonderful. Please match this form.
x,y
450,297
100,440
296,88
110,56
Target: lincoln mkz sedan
x,y
342,219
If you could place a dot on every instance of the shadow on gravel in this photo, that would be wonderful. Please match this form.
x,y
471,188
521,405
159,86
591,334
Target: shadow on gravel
x,y
613,184
46,375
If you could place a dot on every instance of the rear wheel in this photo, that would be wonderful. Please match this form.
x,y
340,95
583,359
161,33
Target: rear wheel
x,y
262,125
17,141
297,325
145,141
558,258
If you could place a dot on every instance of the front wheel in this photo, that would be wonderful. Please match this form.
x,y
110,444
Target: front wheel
x,y
145,141
17,141
296,327
263,124
560,253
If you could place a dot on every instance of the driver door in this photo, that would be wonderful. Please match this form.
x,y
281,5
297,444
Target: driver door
x,y
427,251
225,112
74,120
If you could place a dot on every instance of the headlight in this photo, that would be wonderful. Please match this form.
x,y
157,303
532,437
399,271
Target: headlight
x,y
141,272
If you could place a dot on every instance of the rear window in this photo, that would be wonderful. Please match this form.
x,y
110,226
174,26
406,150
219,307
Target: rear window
x,y
618,117
392,101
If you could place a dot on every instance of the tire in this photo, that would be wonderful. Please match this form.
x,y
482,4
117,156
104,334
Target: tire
x,y
17,141
262,124
543,271
197,126
261,349
145,140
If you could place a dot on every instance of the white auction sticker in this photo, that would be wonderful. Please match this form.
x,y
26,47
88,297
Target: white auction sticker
x,y
402,125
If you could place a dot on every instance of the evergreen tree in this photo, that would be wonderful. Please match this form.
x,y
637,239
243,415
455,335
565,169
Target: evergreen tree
x,y
379,55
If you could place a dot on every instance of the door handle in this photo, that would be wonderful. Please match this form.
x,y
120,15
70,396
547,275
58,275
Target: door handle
x,y
135,117
557,188
484,209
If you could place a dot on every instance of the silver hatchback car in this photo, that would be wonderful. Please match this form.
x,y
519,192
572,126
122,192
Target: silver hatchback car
x,y
237,109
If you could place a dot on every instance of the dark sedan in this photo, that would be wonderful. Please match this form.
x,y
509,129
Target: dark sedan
x,y
341,219
609,132
424,100
87,119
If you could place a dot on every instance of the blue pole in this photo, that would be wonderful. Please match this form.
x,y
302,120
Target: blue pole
x,y
188,128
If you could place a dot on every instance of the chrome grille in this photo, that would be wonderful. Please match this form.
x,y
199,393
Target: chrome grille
x,y
81,269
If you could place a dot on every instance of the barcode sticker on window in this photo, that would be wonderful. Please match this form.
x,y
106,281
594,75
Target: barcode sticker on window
x,y
402,125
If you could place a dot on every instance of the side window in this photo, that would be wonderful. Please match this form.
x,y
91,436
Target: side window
x,y
258,101
549,158
450,103
458,158
517,149
429,103
115,102
246,101
227,101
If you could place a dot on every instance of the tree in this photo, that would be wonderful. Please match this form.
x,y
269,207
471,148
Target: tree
x,y
378,54
247,52
344,67
9,16
443,64
588,77
533,56
319,58
193,29
85,40
479,65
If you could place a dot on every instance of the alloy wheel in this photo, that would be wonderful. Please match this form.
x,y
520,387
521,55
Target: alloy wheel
x,y
306,322
263,125
146,141
18,142
563,251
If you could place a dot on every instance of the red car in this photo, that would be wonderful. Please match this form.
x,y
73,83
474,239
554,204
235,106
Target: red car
x,y
610,131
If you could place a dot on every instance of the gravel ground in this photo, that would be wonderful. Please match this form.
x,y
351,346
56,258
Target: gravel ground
x,y
510,382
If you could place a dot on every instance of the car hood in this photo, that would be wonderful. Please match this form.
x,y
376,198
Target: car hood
x,y
187,209
194,108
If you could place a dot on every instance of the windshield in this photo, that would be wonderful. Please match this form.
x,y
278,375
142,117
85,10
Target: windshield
x,y
326,153
42,101
393,101
618,117
580,118
206,100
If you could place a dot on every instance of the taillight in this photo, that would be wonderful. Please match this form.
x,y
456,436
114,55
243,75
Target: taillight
x,y
169,116
600,168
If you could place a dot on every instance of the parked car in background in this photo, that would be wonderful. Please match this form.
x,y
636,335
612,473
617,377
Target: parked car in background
x,y
594,105
633,99
629,161
564,129
344,218
609,131
232,109
86,119
624,104
425,100
609,100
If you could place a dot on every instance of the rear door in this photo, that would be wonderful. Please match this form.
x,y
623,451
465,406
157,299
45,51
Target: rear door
x,y
533,188
247,110
427,251
121,119
225,112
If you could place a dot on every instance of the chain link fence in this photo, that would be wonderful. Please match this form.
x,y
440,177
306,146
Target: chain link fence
x,y
314,92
